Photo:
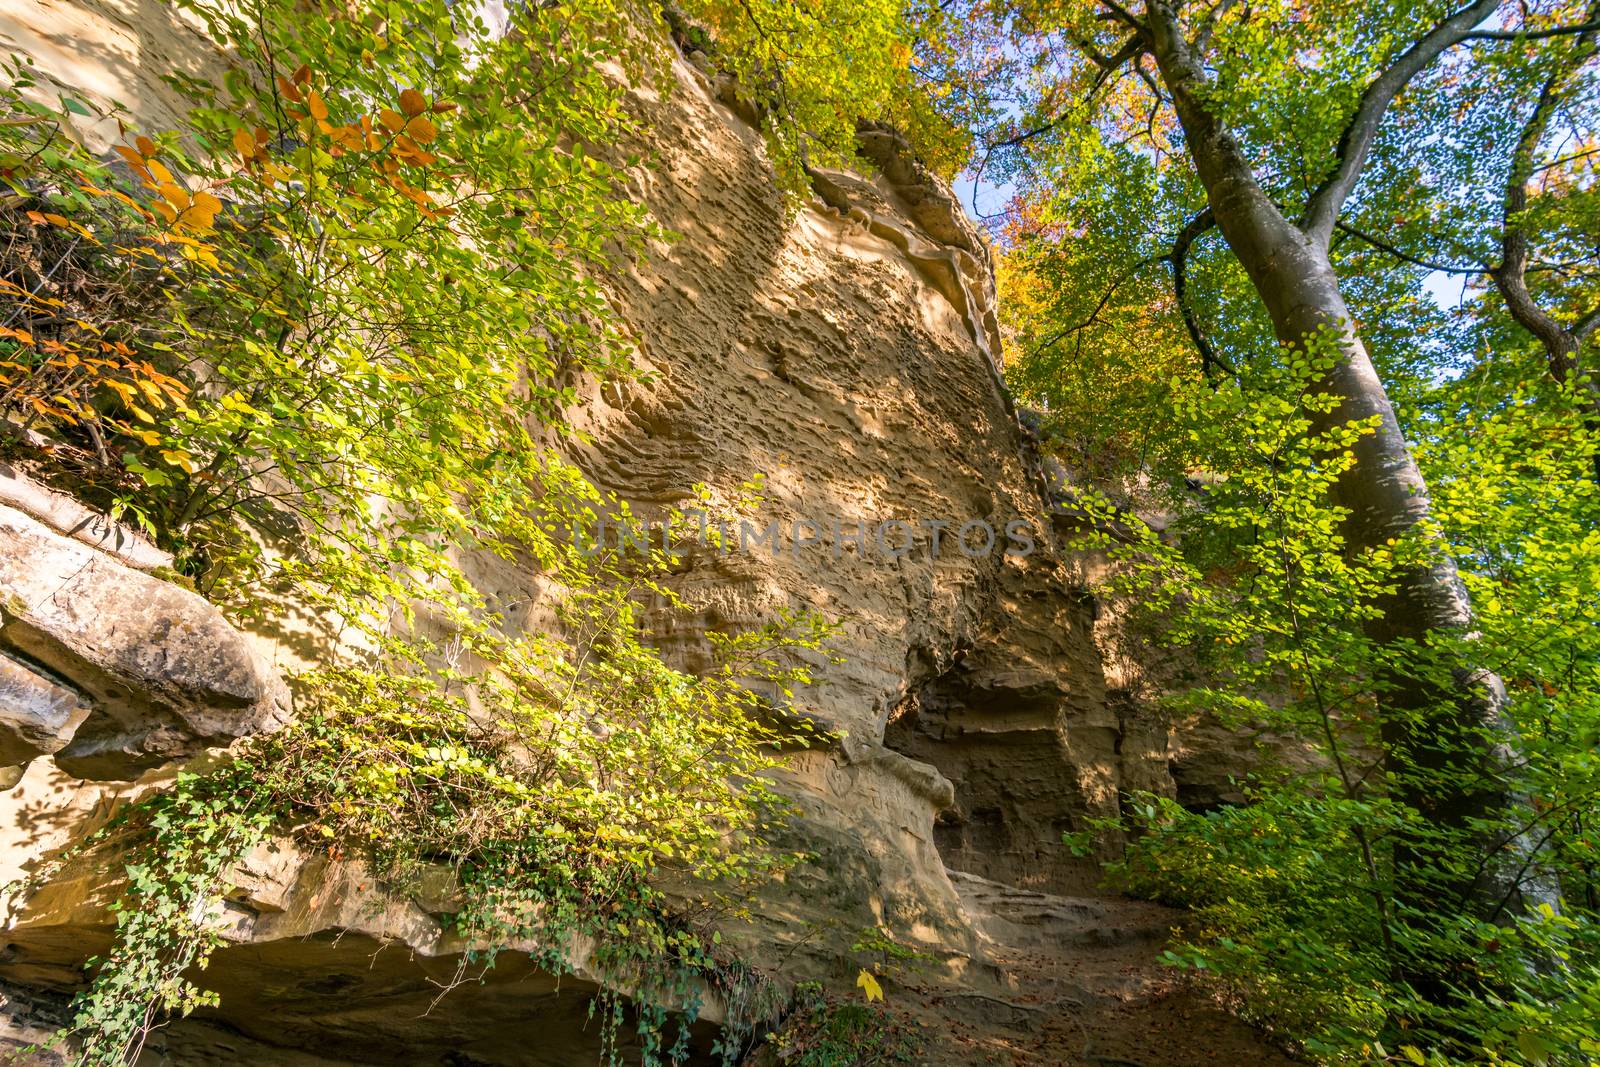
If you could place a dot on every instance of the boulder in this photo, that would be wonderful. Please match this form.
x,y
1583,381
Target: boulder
x,y
165,673
37,715
68,516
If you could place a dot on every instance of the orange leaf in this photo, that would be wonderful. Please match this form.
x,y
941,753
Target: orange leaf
x,y
244,144
134,160
319,110
146,146
302,75
413,102
421,130
288,89
392,121
442,106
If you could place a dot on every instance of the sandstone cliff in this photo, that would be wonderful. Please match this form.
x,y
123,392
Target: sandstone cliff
x,y
844,350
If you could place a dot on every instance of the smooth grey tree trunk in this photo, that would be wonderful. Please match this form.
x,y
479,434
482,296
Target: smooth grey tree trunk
x,y
1445,738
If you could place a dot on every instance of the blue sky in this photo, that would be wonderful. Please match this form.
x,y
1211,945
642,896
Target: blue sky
x,y
1445,289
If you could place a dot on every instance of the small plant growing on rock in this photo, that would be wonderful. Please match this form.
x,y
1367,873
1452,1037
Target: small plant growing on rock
x,y
826,1030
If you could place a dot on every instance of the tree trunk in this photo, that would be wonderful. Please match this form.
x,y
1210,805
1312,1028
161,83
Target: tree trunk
x,y
1442,729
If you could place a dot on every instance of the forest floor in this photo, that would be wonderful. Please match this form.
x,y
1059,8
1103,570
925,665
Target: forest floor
x,y
1078,982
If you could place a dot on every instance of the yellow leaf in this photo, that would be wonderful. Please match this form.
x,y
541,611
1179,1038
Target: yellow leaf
x,y
149,390
162,175
869,985
203,211
176,195
319,110
179,459
244,143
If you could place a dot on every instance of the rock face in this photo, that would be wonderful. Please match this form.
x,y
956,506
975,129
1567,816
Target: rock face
x,y
161,673
844,349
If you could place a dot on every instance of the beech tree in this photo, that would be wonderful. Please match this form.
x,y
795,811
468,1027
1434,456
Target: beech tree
x,y
1262,122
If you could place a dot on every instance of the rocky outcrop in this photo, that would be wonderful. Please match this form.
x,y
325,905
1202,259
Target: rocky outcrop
x,y
319,965
114,671
38,715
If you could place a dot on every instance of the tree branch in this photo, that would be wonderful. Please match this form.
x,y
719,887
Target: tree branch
x,y
1362,129
1530,35
1586,325
1124,16
1253,225
1404,257
1208,26
1105,298
1130,49
1561,343
1511,276
1178,257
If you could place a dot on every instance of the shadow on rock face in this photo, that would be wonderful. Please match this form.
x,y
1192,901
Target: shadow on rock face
x,y
332,999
